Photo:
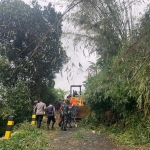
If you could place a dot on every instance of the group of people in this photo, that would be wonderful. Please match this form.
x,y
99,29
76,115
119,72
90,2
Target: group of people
x,y
40,110
67,111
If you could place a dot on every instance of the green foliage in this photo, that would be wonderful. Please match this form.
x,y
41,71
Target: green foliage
x,y
6,70
90,122
60,93
15,101
27,137
121,85
136,132
30,55
30,39
108,25
79,135
18,98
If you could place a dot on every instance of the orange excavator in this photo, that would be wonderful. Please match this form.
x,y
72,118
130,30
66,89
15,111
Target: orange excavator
x,y
74,96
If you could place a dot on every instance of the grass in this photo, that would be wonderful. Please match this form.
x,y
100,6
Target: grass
x,y
27,136
130,138
79,135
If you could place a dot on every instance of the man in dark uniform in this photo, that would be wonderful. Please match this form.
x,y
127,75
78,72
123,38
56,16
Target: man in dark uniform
x,y
50,112
64,115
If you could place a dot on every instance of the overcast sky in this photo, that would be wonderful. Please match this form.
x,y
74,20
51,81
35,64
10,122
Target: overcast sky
x,y
75,77
74,52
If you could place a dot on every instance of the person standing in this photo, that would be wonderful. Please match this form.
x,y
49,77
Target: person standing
x,y
50,112
70,116
39,110
64,116
74,110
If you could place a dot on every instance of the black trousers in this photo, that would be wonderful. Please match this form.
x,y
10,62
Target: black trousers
x,y
39,119
64,120
50,118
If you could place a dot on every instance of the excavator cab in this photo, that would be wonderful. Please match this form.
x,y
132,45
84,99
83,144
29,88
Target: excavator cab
x,y
83,109
77,96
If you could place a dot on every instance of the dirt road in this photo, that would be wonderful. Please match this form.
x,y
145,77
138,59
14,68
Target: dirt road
x,y
81,139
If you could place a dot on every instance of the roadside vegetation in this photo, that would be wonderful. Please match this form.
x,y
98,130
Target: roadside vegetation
x,y
26,136
117,88
127,138
28,63
89,133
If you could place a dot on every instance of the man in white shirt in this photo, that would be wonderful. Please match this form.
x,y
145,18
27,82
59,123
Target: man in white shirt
x,y
39,110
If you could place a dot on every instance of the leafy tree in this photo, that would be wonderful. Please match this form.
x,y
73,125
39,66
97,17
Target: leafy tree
x,y
22,27
28,66
93,69
18,99
107,23
61,93
123,51
15,101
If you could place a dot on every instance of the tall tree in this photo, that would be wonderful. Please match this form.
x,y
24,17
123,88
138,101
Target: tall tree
x,y
22,27
93,69
123,53
107,24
